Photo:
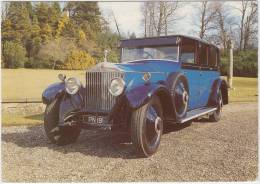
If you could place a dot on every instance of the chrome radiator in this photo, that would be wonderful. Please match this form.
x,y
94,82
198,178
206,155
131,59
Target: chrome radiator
x,y
98,98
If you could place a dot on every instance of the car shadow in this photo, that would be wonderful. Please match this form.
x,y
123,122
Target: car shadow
x,y
91,142
35,117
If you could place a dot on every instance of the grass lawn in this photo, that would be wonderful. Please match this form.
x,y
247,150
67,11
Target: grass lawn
x,y
13,120
244,90
19,84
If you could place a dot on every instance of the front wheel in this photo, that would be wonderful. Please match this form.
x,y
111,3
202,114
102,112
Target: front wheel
x,y
147,127
56,134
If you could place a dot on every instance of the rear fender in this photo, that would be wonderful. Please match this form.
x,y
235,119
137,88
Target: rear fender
x,y
218,84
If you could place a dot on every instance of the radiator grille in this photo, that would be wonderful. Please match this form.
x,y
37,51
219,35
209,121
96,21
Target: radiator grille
x,y
98,98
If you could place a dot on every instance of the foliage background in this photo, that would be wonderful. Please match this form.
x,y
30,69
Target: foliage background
x,y
41,35
44,35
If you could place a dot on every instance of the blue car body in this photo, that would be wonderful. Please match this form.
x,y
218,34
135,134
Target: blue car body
x,y
203,85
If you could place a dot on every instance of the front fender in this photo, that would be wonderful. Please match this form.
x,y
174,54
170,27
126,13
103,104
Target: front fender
x,y
52,91
140,95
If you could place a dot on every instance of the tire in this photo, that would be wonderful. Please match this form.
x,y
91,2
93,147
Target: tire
x,y
215,117
180,97
56,134
146,132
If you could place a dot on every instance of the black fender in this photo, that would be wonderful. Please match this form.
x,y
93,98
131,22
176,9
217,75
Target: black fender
x,y
70,104
53,91
218,84
140,95
67,103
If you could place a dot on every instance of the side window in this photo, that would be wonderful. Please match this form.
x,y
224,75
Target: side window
x,y
188,54
213,57
203,55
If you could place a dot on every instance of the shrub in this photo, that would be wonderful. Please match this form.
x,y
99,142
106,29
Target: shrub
x,y
245,64
14,55
78,60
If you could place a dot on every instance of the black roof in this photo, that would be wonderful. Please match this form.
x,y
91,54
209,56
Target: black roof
x,y
161,40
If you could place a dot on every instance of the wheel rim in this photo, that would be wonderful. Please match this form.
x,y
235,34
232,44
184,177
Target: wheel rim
x,y
220,103
181,98
154,126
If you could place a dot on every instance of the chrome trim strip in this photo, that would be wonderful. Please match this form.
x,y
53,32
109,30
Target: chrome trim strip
x,y
197,115
176,61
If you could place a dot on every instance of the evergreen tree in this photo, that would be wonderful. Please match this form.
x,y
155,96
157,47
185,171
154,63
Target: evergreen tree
x,y
85,15
19,21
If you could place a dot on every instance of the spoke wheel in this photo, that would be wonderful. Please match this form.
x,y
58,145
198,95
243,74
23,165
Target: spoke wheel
x,y
154,126
147,127
215,117
180,98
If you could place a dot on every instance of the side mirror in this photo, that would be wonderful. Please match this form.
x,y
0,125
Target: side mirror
x,y
62,77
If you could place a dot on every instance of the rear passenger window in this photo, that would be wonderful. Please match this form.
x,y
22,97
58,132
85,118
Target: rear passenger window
x,y
213,57
188,54
203,55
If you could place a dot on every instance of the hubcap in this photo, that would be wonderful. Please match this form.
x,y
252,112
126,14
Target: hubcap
x,y
220,103
153,126
157,125
181,98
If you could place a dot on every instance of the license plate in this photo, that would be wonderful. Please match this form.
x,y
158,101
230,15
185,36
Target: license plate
x,y
92,119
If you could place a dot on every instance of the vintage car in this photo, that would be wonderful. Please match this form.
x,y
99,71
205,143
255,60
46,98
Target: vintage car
x,y
159,80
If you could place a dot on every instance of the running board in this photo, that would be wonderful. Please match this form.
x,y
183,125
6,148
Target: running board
x,y
197,113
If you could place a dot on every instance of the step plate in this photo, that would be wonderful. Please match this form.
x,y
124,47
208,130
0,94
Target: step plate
x,y
197,113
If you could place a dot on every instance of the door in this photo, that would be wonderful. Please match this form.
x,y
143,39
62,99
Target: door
x,y
208,72
192,72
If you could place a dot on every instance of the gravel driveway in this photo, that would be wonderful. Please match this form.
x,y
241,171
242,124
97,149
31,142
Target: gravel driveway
x,y
199,151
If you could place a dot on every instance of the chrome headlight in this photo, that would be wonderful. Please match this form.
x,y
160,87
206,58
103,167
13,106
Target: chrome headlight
x,y
72,85
117,86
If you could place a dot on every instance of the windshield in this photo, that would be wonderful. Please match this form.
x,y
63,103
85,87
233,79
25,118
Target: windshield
x,y
140,53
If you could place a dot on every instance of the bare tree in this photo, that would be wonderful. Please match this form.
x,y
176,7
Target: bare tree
x,y
117,27
248,23
4,9
204,18
224,25
250,26
159,17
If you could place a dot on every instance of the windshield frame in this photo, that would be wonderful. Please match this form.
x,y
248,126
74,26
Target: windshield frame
x,y
175,45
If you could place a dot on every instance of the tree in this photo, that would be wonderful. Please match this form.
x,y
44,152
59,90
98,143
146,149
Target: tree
x,y
159,17
247,26
85,15
46,33
250,28
205,15
54,53
223,24
13,55
16,26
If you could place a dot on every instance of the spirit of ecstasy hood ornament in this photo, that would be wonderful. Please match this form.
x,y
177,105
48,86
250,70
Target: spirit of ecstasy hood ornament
x,y
105,58
105,65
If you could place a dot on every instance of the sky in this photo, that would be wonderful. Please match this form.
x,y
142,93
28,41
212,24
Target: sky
x,y
129,16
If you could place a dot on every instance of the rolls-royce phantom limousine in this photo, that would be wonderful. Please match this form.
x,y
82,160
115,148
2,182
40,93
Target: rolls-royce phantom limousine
x,y
158,80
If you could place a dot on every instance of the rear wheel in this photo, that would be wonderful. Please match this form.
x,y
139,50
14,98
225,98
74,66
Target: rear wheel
x,y
56,134
180,98
215,117
147,127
